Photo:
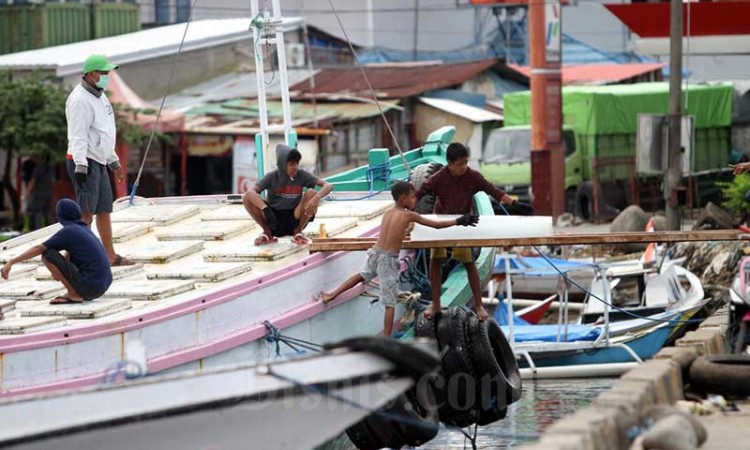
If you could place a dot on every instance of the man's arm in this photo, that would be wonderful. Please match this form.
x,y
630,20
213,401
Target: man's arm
x,y
79,117
495,192
28,254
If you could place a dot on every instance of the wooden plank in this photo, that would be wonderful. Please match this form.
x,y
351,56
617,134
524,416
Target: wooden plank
x,y
22,325
360,244
86,310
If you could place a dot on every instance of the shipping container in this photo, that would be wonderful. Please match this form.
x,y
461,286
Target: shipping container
x,y
31,26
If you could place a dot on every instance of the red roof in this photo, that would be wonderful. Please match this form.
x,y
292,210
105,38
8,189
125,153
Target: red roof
x,y
392,80
600,73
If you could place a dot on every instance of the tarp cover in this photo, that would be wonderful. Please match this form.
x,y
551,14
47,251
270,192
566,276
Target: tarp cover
x,y
538,266
548,333
593,110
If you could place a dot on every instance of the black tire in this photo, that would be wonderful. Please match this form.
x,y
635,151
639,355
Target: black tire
x,y
492,388
418,176
458,370
421,410
362,437
570,200
505,357
424,327
584,201
727,375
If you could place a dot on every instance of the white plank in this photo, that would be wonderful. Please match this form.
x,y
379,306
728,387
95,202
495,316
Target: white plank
x,y
205,231
30,289
126,231
362,209
118,272
249,252
228,212
147,289
86,310
201,271
22,325
489,227
161,214
161,252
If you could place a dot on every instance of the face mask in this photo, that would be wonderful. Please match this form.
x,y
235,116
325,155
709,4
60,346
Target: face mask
x,y
103,82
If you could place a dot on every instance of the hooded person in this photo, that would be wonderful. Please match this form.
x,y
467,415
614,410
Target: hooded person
x,y
85,271
291,200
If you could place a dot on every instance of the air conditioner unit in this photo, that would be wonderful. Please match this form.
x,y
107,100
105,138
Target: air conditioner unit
x,y
295,55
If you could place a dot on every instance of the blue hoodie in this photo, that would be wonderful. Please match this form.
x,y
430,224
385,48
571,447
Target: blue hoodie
x,y
85,249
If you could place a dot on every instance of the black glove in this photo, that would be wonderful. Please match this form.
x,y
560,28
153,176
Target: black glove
x,y
467,220
270,217
523,209
81,178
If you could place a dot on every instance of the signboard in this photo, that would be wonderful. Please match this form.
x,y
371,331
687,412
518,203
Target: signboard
x,y
244,164
553,40
652,144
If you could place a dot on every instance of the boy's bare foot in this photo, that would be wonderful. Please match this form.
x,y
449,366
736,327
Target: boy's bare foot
x,y
432,312
482,314
325,297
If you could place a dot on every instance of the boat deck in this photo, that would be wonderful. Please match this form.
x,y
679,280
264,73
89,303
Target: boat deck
x,y
185,248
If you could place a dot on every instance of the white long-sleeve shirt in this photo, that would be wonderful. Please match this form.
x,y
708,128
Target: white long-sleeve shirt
x,y
91,128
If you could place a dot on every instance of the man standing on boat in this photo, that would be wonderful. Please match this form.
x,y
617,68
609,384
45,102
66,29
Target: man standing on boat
x,y
289,207
91,149
83,270
454,187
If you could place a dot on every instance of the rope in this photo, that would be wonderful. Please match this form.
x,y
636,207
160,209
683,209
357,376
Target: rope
x,y
382,172
161,105
592,295
369,85
274,336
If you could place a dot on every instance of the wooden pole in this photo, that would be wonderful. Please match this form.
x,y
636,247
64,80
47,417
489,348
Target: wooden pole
x,y
360,244
674,171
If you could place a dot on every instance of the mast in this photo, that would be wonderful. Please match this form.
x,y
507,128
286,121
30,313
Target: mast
x,y
268,29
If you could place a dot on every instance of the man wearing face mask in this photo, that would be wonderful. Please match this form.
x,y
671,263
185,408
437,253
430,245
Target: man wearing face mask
x,y
91,149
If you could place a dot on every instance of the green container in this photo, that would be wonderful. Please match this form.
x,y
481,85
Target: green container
x,y
112,19
27,27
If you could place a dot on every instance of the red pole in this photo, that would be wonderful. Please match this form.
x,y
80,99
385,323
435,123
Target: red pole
x,y
547,159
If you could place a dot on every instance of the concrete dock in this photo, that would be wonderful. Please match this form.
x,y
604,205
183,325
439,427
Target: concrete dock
x,y
616,417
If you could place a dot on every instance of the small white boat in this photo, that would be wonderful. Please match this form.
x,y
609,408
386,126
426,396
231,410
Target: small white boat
x,y
297,403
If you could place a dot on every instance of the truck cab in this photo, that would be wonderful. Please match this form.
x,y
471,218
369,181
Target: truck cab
x,y
506,162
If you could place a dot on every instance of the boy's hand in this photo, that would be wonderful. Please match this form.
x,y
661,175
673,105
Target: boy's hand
x,y
522,208
5,271
467,220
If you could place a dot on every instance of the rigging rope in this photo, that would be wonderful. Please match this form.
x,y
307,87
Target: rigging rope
x,y
161,105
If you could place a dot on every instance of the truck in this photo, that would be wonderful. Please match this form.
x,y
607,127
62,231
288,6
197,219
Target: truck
x,y
600,134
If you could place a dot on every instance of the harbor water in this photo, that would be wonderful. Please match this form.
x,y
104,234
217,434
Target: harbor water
x,y
543,403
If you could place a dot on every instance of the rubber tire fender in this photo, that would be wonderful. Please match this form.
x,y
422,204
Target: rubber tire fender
x,y
421,409
495,395
727,375
451,334
505,357
418,176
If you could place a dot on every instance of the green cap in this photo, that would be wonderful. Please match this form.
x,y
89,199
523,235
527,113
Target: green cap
x,y
98,62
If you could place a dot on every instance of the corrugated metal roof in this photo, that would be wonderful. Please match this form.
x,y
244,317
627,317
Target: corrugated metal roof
x,y
463,110
392,80
600,73
142,45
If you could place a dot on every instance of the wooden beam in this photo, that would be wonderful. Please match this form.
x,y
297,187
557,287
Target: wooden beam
x,y
360,243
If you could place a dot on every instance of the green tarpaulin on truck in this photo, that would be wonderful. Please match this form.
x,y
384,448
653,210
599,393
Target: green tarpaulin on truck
x,y
597,110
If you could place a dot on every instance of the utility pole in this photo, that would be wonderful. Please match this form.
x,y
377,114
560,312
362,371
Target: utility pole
x,y
416,29
674,169
547,159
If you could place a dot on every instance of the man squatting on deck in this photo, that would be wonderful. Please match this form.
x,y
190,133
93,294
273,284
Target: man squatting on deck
x,y
288,210
382,259
85,271
454,187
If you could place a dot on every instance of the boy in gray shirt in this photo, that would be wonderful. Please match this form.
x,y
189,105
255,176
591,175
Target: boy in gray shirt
x,y
292,199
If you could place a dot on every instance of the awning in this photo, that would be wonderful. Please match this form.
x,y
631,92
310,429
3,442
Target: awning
x,y
601,73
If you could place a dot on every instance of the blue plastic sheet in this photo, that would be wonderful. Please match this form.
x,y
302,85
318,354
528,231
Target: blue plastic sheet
x,y
548,333
501,314
538,266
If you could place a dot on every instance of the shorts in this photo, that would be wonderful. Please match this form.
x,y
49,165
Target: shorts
x,y
286,223
383,265
70,272
96,196
462,254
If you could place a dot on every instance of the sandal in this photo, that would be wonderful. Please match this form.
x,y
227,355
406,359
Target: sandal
x,y
120,261
60,300
301,239
263,239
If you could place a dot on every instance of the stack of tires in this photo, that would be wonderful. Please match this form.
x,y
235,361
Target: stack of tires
x,y
477,381
480,377
419,175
